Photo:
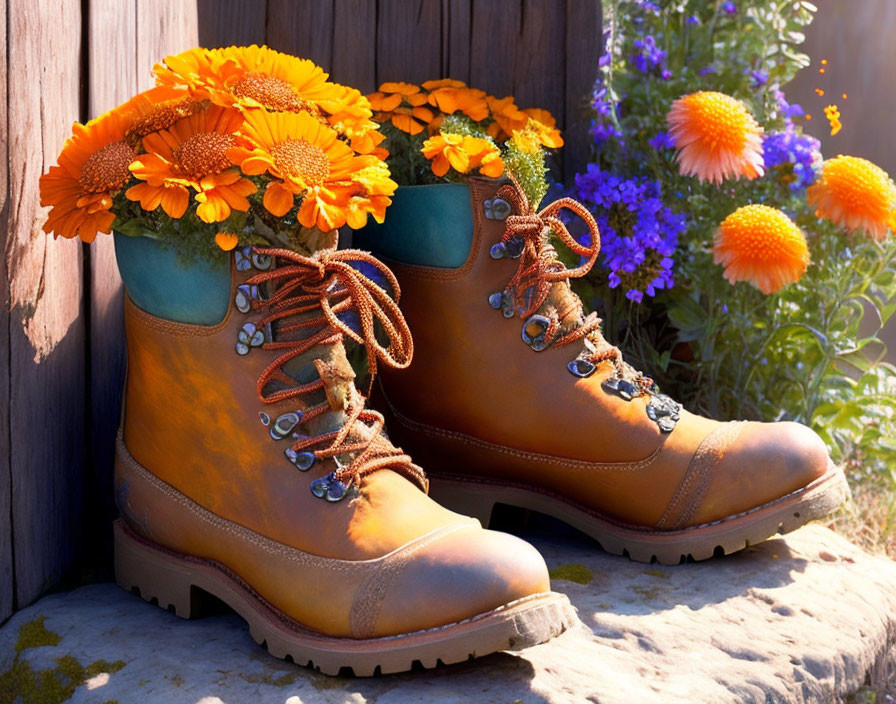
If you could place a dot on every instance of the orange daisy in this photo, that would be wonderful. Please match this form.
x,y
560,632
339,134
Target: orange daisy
x,y
254,76
404,105
93,166
463,154
856,194
192,154
351,115
508,118
157,109
545,126
450,96
307,159
761,245
716,137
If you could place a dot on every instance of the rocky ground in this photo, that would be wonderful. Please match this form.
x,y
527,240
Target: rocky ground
x,y
805,618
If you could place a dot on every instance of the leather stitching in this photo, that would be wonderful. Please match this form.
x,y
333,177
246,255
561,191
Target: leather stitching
x,y
521,454
267,545
372,592
693,487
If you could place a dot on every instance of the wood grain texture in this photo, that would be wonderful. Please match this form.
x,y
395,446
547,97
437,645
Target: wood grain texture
x,y
46,332
456,39
354,44
7,584
302,27
163,27
408,40
584,46
112,70
231,22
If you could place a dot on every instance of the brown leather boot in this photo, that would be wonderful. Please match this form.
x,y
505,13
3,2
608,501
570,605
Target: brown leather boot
x,y
515,397
249,468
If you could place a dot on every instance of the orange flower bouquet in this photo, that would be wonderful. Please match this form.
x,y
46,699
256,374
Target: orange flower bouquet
x,y
443,129
244,145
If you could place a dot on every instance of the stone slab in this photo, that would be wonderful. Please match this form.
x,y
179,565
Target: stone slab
x,y
806,618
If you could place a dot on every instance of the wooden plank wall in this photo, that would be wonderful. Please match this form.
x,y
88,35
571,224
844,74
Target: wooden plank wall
x,y
60,325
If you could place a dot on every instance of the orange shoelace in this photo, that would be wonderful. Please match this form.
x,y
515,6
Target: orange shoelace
x,y
329,284
538,272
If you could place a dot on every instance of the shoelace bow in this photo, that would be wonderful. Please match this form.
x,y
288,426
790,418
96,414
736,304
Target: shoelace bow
x,y
329,283
540,268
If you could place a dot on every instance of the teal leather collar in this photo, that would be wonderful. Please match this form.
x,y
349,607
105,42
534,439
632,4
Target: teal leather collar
x,y
167,287
428,225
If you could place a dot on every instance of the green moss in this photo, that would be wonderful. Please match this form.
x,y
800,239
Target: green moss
x,y
22,682
283,680
35,635
574,572
649,593
660,574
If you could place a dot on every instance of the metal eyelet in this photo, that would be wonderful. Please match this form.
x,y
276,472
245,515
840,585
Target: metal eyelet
x,y
329,488
664,411
498,251
302,460
245,294
496,300
623,388
248,337
513,248
261,261
243,259
534,331
264,418
284,424
496,208
581,368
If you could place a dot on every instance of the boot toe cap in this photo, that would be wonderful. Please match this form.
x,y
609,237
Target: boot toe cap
x,y
467,572
766,462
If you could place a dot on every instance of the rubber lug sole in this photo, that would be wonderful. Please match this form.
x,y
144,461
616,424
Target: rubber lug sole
x,y
181,584
477,497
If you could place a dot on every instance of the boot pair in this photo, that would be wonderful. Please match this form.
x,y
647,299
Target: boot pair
x,y
249,466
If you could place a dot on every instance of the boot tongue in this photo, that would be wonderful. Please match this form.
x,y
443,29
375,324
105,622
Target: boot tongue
x,y
326,362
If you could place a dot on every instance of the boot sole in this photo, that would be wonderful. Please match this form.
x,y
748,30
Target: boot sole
x,y
477,497
181,584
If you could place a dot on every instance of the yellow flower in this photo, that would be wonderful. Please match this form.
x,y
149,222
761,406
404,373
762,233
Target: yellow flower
x,y
307,159
508,118
192,154
762,246
716,136
463,153
856,194
545,127
93,166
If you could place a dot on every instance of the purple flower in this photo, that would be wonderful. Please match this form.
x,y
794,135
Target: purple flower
x,y
604,60
797,155
666,74
693,19
787,110
707,70
760,78
640,259
662,140
648,56
730,8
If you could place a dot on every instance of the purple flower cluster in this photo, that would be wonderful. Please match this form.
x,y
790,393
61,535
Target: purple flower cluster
x,y
638,233
648,56
602,129
797,150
